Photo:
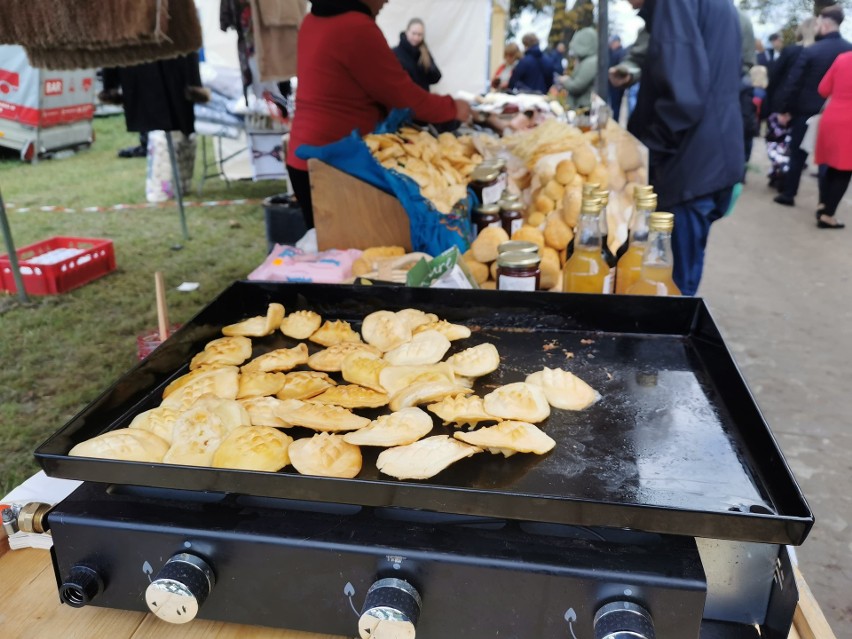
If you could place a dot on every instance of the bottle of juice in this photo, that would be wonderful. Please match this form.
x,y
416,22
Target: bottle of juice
x,y
586,271
639,191
606,253
657,263
630,263
589,191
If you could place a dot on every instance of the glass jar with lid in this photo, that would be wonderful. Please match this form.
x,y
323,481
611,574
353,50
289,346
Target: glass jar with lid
x,y
485,182
512,215
518,271
483,216
517,246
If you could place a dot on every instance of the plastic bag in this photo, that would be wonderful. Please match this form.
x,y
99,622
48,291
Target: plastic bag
x,y
432,232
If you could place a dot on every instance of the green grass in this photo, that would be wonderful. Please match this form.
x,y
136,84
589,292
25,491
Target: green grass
x,y
57,353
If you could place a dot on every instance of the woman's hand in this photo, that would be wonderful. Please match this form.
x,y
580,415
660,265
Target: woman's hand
x,y
463,111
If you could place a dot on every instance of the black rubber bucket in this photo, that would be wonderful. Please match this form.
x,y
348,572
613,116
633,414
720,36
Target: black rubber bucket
x,y
284,221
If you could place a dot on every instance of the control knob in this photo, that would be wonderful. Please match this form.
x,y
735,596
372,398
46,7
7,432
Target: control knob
x,y
180,588
390,611
623,620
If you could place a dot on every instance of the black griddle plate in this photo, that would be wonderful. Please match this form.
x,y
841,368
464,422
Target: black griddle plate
x,y
676,444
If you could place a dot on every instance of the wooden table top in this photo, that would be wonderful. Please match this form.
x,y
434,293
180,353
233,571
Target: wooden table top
x,y
31,608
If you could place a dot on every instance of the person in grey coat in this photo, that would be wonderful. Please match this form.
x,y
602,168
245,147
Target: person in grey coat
x,y
584,47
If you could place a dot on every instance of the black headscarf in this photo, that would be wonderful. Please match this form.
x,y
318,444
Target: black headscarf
x,y
329,8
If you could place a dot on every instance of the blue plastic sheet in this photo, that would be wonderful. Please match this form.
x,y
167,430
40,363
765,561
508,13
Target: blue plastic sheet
x,y
432,232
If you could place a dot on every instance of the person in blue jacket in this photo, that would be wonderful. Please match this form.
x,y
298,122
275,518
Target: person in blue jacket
x,y
534,73
688,115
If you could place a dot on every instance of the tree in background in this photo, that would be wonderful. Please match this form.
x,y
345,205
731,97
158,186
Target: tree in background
x,y
566,22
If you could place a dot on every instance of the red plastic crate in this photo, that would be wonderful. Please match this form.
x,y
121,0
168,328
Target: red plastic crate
x,y
97,259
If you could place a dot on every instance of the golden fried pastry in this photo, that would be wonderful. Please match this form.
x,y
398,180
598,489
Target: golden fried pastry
x,y
519,401
557,235
261,411
572,201
160,421
565,172
423,459
352,396
253,448
304,385
259,326
543,203
126,444
259,384
281,359
363,368
484,247
529,233
228,351
554,190
221,382
192,375
230,413
584,158
508,438
403,427
334,332
551,271
325,455
537,219
414,317
478,271
321,417
196,439
385,330
301,324
421,392
563,389
460,410
451,331
476,361
331,359
428,347
394,378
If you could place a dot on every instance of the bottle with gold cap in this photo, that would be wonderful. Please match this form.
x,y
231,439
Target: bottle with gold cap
x,y
586,271
658,262
630,263
589,190
608,255
640,191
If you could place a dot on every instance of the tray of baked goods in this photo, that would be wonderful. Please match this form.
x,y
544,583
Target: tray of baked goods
x,y
577,409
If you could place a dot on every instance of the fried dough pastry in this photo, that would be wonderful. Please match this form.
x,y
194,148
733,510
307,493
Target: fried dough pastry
x,y
191,376
518,401
428,347
301,324
331,359
126,444
325,455
253,448
221,382
160,421
449,330
259,326
195,440
228,351
425,458
261,411
259,384
334,332
460,411
281,359
230,413
352,396
476,361
395,378
421,392
508,438
320,417
414,317
363,368
385,330
397,429
563,389
304,385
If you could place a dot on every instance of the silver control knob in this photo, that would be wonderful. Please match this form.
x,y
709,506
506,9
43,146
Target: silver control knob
x,y
390,611
180,588
623,620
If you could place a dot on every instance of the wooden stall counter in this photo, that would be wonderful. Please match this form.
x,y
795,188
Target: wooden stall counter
x,y
30,608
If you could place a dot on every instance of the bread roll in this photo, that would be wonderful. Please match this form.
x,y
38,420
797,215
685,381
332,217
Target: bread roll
x,y
484,247
551,270
478,270
544,203
628,154
565,172
554,190
489,285
557,234
528,233
584,159
537,219
572,202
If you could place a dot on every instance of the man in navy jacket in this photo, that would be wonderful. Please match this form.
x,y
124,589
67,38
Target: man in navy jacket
x,y
799,96
534,73
688,115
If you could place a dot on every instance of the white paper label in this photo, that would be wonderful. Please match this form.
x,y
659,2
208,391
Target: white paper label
x,y
516,226
609,282
491,194
508,283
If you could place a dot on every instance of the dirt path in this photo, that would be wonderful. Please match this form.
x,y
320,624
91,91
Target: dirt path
x,y
781,290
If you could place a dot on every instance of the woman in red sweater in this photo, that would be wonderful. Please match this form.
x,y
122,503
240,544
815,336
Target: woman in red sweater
x,y
349,78
834,140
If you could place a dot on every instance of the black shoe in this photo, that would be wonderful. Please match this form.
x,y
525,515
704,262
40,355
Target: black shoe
x,y
133,152
786,200
826,225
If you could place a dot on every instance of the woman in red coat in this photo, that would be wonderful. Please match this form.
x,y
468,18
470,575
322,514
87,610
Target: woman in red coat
x,y
834,139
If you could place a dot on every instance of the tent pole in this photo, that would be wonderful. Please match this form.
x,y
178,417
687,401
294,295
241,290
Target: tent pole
x,y
603,50
13,256
177,184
